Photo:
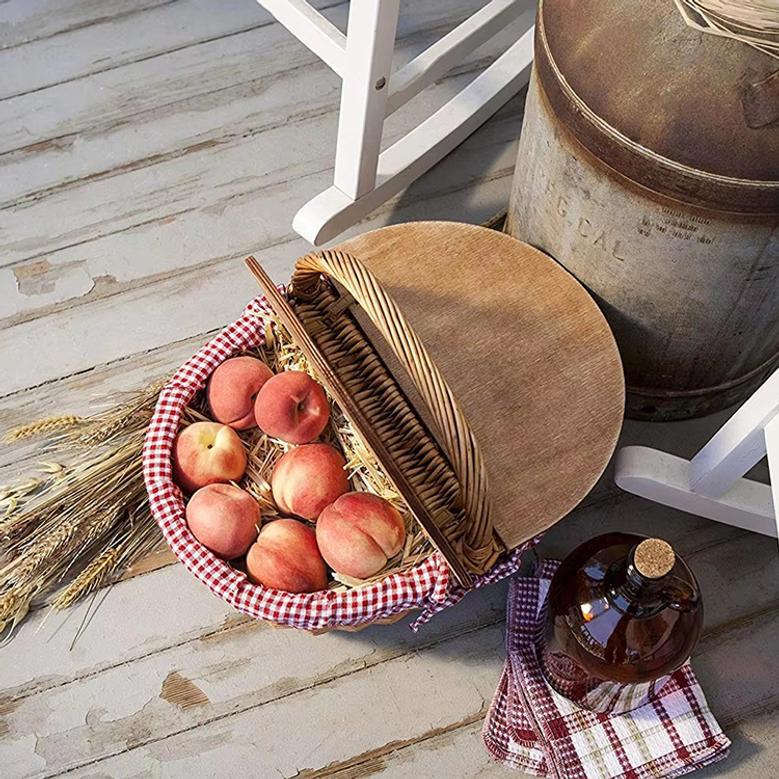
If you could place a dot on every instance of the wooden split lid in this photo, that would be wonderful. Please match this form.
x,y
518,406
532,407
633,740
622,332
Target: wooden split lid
x,y
530,361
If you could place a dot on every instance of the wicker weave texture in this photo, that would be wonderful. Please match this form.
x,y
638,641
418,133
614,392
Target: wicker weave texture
x,y
469,531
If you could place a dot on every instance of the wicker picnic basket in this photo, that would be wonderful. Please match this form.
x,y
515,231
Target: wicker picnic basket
x,y
442,443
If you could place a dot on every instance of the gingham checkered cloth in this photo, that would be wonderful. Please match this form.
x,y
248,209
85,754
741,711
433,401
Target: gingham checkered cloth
x,y
534,729
427,587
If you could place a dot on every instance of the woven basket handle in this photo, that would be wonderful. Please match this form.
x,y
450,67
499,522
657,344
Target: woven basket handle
x,y
455,433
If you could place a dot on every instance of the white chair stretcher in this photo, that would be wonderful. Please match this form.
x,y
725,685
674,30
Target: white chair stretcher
x,y
365,177
712,484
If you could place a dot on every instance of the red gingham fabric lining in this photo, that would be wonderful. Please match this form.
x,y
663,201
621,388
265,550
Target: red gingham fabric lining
x,y
427,586
532,728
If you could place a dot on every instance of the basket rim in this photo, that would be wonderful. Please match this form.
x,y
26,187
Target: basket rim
x,y
427,584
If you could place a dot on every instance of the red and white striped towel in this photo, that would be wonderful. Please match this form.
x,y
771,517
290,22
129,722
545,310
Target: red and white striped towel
x,y
534,729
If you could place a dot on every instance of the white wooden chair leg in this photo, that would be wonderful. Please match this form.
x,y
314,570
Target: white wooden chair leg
x,y
712,484
665,478
312,30
738,444
370,43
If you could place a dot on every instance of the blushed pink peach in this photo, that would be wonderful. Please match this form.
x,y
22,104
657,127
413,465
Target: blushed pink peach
x,y
293,407
232,390
206,453
286,557
308,478
224,518
358,533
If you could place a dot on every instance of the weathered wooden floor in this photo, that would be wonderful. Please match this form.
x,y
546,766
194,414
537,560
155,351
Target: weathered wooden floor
x,y
146,146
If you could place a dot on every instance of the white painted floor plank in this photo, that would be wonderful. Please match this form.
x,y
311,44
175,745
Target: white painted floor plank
x,y
115,635
227,673
219,237
457,752
386,702
281,136
126,93
120,40
33,20
158,142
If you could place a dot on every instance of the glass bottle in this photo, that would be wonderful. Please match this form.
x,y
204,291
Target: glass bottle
x,y
623,613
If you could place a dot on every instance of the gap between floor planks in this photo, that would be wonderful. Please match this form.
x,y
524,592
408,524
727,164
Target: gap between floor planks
x,y
374,760
28,21
715,542
730,715
132,29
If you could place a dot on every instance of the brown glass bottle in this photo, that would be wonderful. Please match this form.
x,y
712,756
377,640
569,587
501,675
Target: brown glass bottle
x,y
623,613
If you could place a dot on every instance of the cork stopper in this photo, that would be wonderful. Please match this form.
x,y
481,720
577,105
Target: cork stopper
x,y
654,558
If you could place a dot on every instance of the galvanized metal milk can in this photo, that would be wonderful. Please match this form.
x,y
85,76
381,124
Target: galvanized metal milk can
x,y
648,166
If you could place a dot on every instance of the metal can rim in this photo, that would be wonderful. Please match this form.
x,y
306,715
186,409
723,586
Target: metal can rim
x,y
638,163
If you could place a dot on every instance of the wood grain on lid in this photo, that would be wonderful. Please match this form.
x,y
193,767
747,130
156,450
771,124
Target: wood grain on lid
x,y
526,351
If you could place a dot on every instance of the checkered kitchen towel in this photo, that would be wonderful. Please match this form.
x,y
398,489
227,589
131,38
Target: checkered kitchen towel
x,y
534,729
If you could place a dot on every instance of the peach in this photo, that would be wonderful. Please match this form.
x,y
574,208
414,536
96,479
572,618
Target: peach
x,y
308,478
358,534
286,557
293,407
205,453
224,518
233,388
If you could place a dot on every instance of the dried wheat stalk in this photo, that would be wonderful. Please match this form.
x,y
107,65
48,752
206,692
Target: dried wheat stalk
x,y
754,22
60,523
42,427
